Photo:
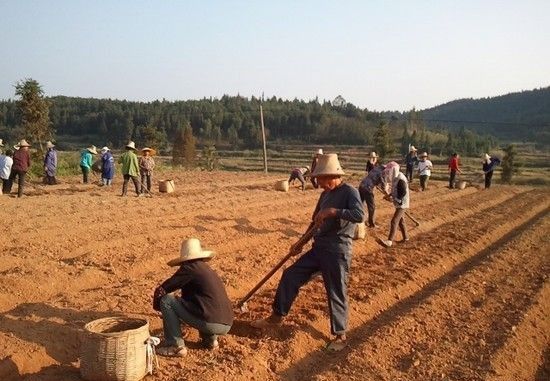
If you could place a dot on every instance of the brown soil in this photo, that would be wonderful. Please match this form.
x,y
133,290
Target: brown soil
x,y
467,298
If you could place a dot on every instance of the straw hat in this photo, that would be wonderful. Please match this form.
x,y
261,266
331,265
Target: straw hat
x,y
373,155
412,149
131,145
424,154
320,151
92,149
49,144
1,143
23,143
486,157
328,165
191,249
146,149
308,168
105,149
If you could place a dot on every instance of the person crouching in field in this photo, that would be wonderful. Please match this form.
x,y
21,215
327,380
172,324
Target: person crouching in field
x,y
50,164
6,163
425,167
130,168
400,197
338,211
107,167
299,173
86,162
366,190
203,305
489,164
146,166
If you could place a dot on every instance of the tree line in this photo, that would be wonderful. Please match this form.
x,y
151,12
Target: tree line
x,y
233,122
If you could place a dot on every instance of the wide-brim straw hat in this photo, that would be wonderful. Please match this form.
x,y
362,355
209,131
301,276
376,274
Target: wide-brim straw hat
x,y
146,149
373,155
423,154
191,249
23,143
328,165
131,145
412,149
49,144
92,149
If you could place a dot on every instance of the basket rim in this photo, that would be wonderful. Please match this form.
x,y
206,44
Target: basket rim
x,y
88,326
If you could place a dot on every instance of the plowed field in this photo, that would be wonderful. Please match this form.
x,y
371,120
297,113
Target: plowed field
x,y
467,298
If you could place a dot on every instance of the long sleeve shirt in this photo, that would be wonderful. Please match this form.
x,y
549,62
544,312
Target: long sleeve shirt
x,y
130,164
336,234
21,160
202,292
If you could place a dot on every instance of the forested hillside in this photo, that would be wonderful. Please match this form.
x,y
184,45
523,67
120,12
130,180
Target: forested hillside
x,y
517,116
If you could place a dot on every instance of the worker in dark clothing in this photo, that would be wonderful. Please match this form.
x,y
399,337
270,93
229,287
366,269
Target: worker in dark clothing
x,y
410,160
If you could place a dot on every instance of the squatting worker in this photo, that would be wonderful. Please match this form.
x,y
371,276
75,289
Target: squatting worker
x,y
338,211
203,304
299,173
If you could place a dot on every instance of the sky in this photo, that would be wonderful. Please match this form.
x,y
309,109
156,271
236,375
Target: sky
x,y
379,55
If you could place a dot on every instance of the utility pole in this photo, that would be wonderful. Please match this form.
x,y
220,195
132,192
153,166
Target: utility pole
x,y
263,133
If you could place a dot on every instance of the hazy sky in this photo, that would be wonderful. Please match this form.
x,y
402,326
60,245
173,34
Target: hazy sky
x,y
382,55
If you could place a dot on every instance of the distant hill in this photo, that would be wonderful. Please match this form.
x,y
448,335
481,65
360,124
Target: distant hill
x,y
517,116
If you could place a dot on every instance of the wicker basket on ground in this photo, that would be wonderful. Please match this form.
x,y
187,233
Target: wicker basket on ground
x,y
166,186
114,349
282,186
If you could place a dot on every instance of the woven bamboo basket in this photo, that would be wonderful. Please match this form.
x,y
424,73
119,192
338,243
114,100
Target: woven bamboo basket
x,y
166,186
114,349
282,185
360,231
461,184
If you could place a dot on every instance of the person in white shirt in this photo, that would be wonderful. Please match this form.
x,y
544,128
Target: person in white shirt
x,y
5,169
425,167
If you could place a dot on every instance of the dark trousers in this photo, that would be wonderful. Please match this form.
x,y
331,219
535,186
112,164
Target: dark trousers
x,y
300,177
125,184
334,268
85,172
314,181
488,177
424,181
4,185
145,180
398,219
409,172
368,198
20,181
452,179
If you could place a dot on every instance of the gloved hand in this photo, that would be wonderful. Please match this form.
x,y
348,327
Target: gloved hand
x,y
157,296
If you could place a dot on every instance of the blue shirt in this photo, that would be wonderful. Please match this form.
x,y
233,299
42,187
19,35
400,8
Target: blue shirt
x,y
336,234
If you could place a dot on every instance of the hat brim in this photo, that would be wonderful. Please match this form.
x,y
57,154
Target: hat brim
x,y
331,174
205,254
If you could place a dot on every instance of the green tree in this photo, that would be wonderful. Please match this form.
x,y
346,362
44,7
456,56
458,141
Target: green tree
x,y
405,140
210,158
382,141
34,110
510,165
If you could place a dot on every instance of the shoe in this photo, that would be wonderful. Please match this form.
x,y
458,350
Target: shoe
x,y
336,345
404,240
269,322
386,242
212,345
172,351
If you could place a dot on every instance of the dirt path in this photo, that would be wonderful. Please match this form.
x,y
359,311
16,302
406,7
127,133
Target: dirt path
x,y
458,302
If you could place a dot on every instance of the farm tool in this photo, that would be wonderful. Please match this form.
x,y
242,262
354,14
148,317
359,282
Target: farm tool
x,y
242,305
416,222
